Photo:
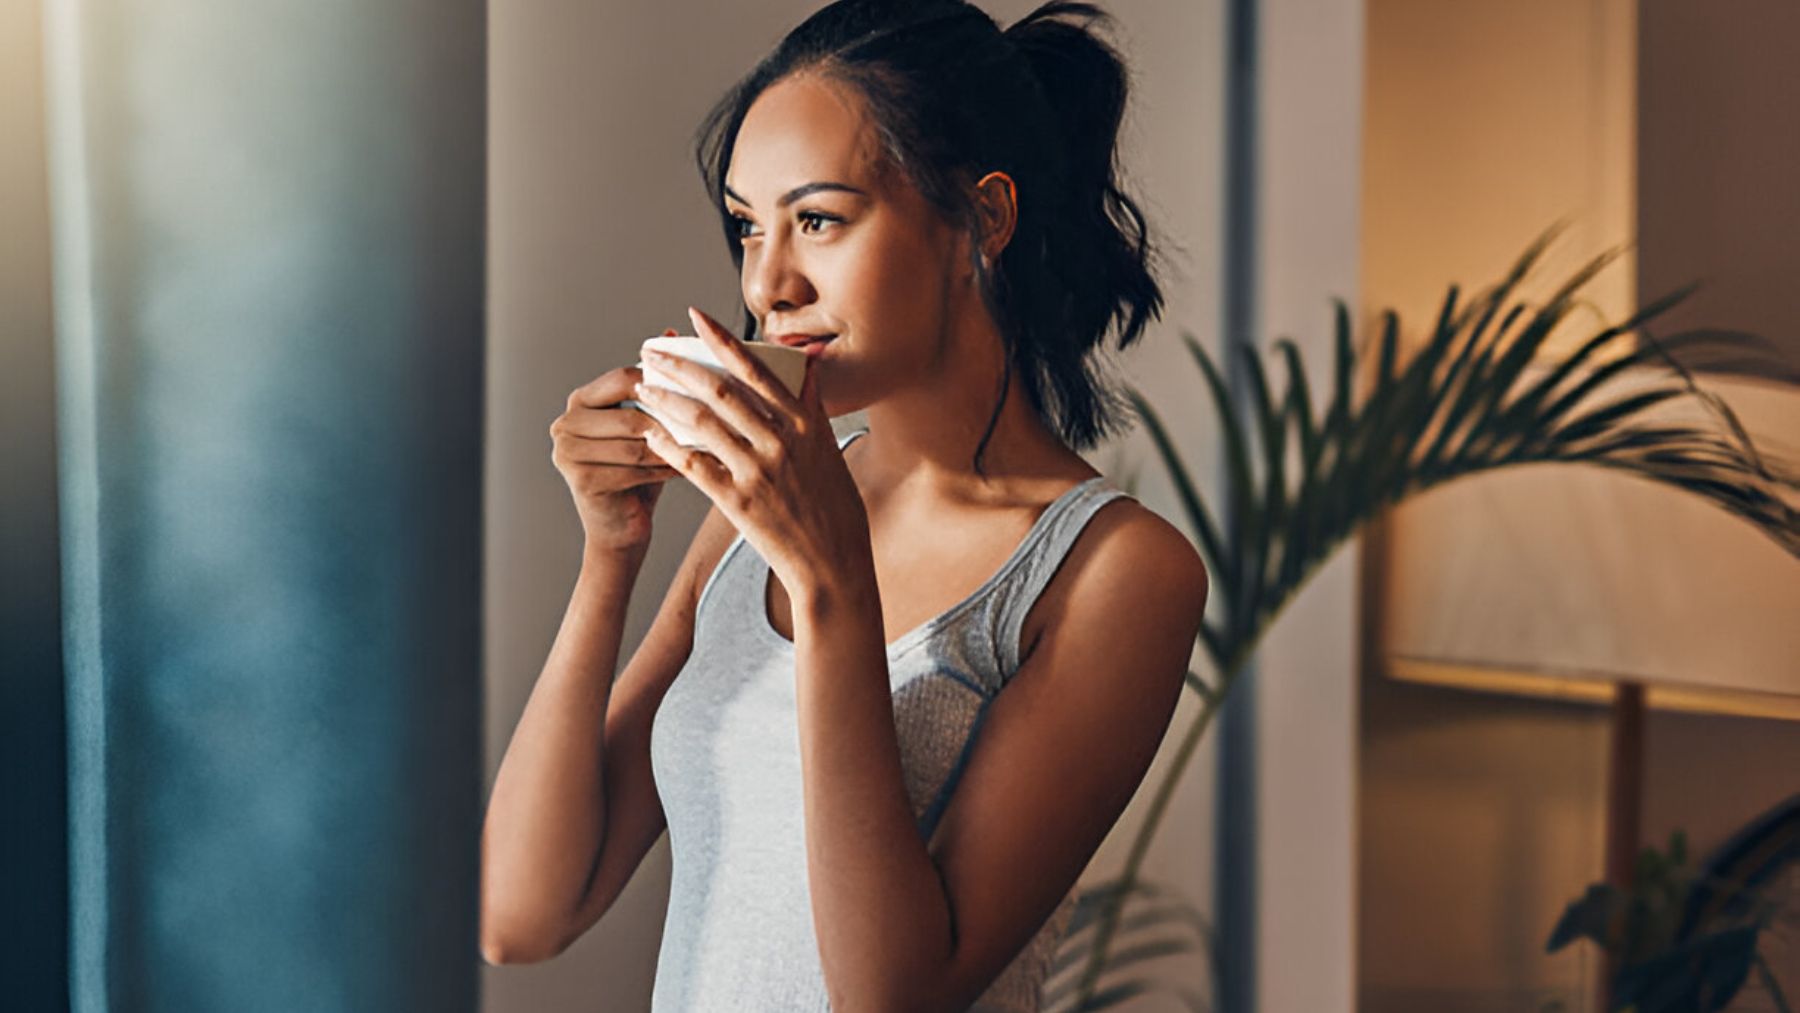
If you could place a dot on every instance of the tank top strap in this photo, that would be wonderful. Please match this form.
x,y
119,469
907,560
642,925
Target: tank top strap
x,y
850,434
1050,541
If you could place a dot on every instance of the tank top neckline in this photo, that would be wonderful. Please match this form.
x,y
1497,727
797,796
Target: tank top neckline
x,y
762,574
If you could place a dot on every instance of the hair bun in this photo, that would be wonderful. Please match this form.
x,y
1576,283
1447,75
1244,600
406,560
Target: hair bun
x,y
1082,78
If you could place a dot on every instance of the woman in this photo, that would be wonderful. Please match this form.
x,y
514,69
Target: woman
x,y
903,683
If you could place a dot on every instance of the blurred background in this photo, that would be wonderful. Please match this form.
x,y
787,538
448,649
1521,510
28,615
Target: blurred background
x,y
289,295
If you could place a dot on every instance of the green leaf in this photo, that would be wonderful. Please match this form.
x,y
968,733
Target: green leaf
x,y
1590,917
1157,922
1259,525
1598,420
1298,403
1703,973
1116,994
1773,987
1240,482
1199,686
1223,561
1093,900
1474,390
1390,327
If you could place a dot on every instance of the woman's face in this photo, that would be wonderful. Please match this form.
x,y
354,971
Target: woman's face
x,y
834,244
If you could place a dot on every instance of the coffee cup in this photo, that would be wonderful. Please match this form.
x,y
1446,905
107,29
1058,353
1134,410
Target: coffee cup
x,y
787,364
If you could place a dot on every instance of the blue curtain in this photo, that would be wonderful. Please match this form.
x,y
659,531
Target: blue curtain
x,y
34,875
267,223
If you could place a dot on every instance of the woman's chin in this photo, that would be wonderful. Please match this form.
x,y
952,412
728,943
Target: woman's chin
x,y
839,407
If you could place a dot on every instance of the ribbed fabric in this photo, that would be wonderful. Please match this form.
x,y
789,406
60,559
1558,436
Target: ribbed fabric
x,y
725,748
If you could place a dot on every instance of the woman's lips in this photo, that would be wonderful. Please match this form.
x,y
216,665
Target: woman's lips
x,y
796,339
812,344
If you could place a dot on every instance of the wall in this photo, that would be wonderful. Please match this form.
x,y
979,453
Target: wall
x,y
1719,150
1480,820
599,234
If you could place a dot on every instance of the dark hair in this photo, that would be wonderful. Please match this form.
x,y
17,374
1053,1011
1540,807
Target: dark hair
x,y
953,98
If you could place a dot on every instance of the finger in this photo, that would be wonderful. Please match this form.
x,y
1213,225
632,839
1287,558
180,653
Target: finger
x,y
704,324
812,401
607,389
723,440
609,423
728,398
736,358
636,476
809,389
619,452
707,473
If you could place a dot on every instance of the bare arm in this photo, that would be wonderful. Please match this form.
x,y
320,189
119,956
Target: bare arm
x,y
572,814
546,816
909,925
575,806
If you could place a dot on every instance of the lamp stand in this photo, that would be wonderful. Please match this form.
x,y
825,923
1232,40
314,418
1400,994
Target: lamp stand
x,y
1624,807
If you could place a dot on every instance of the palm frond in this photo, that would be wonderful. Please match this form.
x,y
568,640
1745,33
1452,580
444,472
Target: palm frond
x,y
1158,923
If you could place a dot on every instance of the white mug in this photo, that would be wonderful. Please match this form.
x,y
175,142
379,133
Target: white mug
x,y
788,365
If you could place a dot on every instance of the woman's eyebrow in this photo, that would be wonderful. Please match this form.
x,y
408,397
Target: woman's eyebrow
x,y
798,192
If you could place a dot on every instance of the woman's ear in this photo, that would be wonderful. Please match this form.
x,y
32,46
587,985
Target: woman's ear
x,y
997,209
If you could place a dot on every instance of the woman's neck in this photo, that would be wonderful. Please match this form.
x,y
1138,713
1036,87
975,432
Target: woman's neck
x,y
922,440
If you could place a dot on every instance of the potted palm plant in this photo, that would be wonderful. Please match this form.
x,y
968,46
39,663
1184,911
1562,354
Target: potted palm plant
x,y
1462,404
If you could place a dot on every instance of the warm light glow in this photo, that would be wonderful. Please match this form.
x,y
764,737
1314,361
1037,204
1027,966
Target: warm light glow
x,y
1591,687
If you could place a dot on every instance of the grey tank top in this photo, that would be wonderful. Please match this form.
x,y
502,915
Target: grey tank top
x,y
725,751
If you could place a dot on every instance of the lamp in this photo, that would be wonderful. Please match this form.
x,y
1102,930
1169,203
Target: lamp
x,y
1544,578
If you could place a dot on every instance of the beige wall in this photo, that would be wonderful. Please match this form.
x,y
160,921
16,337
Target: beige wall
x,y
599,234
1485,122
1480,821
1717,163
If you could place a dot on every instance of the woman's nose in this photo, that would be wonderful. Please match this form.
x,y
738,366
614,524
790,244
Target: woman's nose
x,y
774,280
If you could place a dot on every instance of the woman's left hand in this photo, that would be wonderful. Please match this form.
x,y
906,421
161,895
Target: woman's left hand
x,y
771,462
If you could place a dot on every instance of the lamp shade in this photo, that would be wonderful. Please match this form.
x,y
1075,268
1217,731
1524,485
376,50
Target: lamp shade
x,y
1583,572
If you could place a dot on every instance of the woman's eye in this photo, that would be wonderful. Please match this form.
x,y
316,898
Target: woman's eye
x,y
815,218
742,225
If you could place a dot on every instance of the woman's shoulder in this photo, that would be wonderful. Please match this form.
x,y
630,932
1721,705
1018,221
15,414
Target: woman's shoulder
x,y
1125,558
1126,537
1128,562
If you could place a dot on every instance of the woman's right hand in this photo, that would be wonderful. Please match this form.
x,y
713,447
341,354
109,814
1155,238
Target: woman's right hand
x,y
599,448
